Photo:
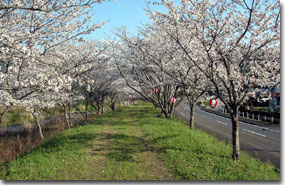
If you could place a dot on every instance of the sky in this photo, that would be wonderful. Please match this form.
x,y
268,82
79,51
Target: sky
x,y
118,13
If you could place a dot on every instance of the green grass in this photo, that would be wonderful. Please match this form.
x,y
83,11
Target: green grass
x,y
16,115
133,144
63,157
196,155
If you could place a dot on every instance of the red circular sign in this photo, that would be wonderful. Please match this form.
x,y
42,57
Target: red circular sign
x,y
172,100
213,103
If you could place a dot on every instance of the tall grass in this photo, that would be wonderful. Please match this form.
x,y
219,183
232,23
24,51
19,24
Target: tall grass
x,y
16,115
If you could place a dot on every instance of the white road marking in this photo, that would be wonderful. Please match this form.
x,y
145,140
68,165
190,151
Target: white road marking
x,y
215,115
222,122
254,133
267,129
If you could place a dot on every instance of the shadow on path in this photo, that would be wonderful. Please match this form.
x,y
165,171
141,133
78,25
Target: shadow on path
x,y
121,147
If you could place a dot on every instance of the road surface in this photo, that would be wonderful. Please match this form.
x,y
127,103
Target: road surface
x,y
260,142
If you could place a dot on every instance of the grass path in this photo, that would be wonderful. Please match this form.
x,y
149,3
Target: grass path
x,y
112,148
133,144
125,153
121,153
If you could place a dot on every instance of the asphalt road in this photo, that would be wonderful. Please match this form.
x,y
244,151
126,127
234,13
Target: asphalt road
x,y
260,142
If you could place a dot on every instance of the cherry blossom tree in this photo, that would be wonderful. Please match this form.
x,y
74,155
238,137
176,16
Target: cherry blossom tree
x,y
76,61
30,31
181,70
117,91
103,80
235,44
142,61
192,82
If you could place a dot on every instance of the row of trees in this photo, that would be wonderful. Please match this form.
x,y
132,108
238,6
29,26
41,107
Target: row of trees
x,y
226,48
45,62
229,49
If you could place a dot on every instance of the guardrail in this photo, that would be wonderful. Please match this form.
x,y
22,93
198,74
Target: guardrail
x,y
251,118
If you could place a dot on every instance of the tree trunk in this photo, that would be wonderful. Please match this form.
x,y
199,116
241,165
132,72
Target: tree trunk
x,y
69,110
98,108
163,111
102,109
113,106
170,111
170,115
40,129
65,116
86,110
191,121
235,135
38,123
2,114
